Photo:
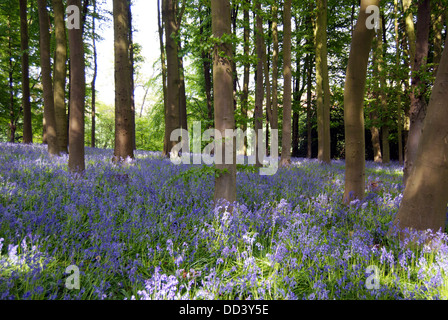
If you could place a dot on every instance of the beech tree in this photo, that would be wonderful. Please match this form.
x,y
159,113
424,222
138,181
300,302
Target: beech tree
x,y
425,198
287,76
76,162
123,110
225,182
27,128
49,113
354,89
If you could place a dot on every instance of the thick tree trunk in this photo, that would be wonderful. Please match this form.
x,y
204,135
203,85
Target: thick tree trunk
x,y
60,74
26,104
354,90
417,92
287,75
322,85
123,111
398,87
425,198
225,183
49,113
131,67
76,161
172,111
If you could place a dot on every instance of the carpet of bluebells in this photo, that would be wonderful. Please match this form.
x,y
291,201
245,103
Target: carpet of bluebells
x,y
149,230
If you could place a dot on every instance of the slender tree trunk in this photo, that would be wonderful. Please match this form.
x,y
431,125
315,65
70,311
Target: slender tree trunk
x,y
437,27
245,94
76,161
160,23
259,91
172,112
275,52
95,73
60,74
425,198
354,91
322,88
123,110
225,183
49,113
131,67
27,127
377,156
308,106
287,75
417,92
12,126
398,89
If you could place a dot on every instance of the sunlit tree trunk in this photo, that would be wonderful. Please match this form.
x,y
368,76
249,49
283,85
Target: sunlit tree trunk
x,y
287,91
95,73
245,93
398,85
322,89
225,183
60,74
27,127
417,92
425,198
76,161
49,114
275,52
354,91
123,111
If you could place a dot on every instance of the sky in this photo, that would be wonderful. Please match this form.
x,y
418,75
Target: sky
x,y
144,13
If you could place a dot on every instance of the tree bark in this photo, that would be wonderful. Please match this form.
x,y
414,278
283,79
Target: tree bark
x,y
225,183
24,47
76,162
123,110
287,75
275,52
60,74
49,113
417,92
398,86
95,73
354,90
160,23
172,112
425,198
245,93
322,85
259,91
131,67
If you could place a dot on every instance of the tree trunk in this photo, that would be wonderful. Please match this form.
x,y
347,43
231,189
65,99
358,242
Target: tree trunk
x,y
49,113
425,198
95,73
275,52
354,90
225,183
60,74
172,112
309,85
123,110
76,161
160,23
131,67
27,127
245,93
259,96
398,88
377,156
322,86
417,92
287,75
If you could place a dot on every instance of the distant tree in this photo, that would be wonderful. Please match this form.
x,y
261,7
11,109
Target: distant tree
x,y
287,91
24,47
49,113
